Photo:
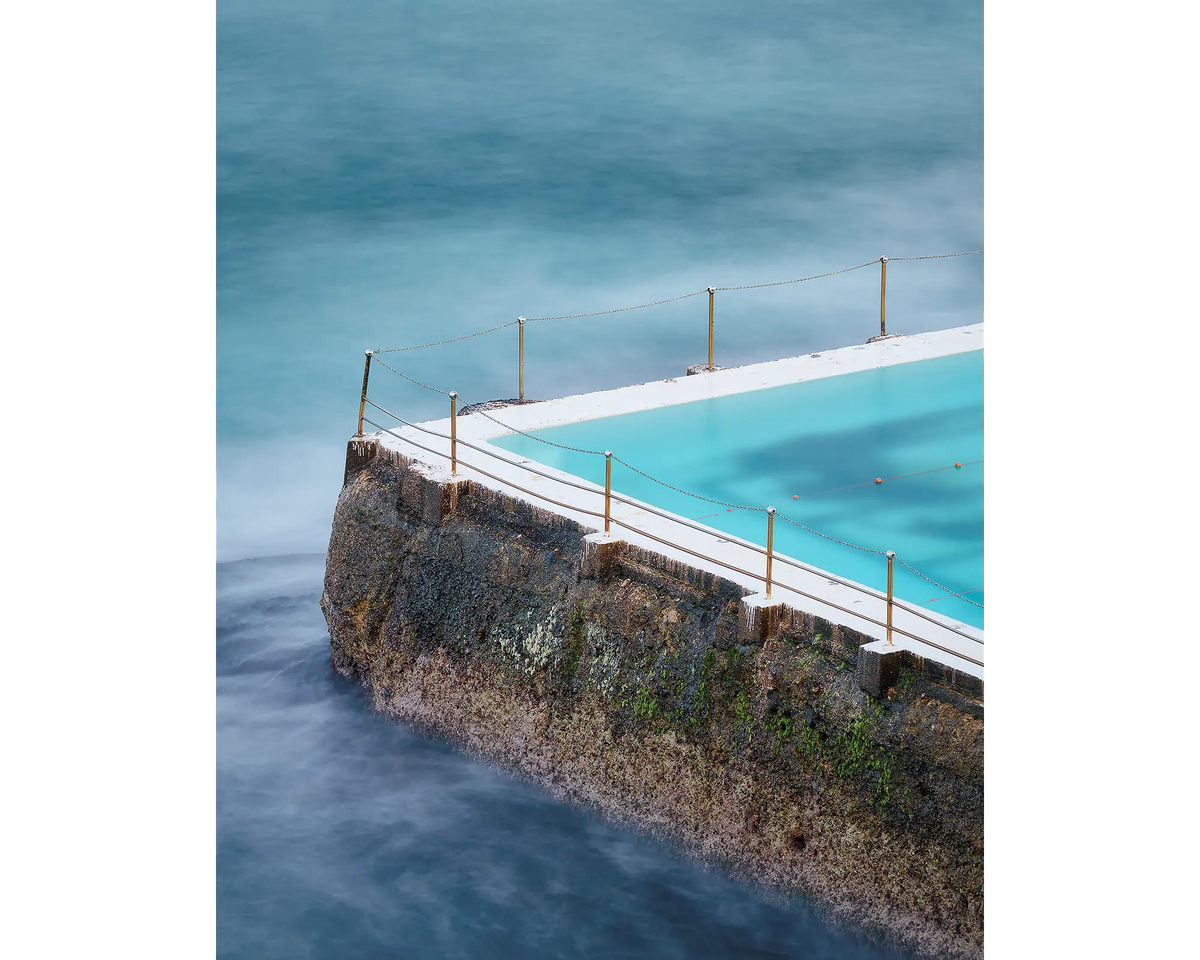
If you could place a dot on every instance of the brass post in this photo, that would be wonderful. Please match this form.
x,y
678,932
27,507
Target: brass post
x,y
521,328
882,296
362,402
453,433
891,554
607,486
711,292
770,545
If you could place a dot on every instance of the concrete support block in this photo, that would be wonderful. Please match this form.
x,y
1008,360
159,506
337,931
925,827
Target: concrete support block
x,y
358,454
600,556
433,499
451,491
878,667
759,618
696,368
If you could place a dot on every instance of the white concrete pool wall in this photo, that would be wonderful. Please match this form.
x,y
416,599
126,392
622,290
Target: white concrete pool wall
x,y
479,430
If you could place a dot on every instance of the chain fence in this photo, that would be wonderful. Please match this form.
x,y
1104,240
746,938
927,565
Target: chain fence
x,y
374,356
939,586
375,359
438,343
688,493
781,283
561,446
601,313
658,303
938,256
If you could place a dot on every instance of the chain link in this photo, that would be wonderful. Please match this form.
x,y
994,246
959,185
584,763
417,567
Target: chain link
x,y
844,543
938,256
780,283
600,313
600,453
687,493
561,446
938,585
408,378
438,343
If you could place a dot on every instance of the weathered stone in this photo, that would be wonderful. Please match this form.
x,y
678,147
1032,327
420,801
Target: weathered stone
x,y
878,667
358,454
600,556
647,694
759,618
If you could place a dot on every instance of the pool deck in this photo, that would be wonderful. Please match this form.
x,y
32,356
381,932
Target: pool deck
x,y
479,430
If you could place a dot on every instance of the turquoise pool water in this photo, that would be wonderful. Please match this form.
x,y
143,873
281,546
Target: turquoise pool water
x,y
823,442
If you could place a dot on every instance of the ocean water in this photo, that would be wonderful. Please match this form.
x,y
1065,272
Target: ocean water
x,y
812,450
397,172
342,834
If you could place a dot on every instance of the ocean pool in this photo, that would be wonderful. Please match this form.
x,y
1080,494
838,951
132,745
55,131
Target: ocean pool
x,y
813,450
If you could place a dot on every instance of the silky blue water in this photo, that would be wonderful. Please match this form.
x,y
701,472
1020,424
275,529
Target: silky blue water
x,y
812,450
396,172
345,835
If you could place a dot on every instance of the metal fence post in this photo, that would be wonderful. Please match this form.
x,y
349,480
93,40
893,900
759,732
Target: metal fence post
x,y
362,402
711,293
453,433
891,555
883,296
770,545
607,486
521,344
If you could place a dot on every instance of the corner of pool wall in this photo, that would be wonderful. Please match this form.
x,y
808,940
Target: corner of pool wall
x,y
484,432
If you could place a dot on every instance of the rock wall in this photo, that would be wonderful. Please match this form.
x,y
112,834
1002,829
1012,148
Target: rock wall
x,y
639,686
